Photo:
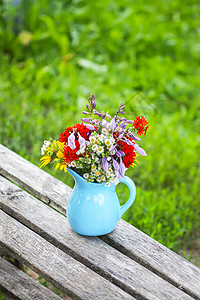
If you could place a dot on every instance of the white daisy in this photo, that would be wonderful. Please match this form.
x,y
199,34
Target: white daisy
x,y
73,164
108,174
103,178
104,131
44,146
86,175
93,168
94,147
108,142
92,139
100,149
97,173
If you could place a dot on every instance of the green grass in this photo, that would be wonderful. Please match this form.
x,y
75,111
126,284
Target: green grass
x,y
2,295
141,52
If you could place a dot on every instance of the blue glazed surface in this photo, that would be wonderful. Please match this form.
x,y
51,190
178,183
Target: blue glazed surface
x,y
94,209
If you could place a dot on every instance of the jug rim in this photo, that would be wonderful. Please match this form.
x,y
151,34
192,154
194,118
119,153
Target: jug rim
x,y
90,182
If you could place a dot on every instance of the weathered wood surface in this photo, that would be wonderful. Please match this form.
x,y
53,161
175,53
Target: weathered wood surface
x,y
53,264
31,178
100,257
126,238
22,286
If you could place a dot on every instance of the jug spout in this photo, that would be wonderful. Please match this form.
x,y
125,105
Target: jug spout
x,y
78,178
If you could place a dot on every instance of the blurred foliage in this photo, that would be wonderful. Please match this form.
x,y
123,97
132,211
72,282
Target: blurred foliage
x,y
55,53
2,295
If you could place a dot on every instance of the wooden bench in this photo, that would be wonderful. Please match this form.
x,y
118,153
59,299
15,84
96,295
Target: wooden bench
x,y
125,264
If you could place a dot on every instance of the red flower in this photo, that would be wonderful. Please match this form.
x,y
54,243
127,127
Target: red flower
x,y
69,154
140,123
81,128
129,157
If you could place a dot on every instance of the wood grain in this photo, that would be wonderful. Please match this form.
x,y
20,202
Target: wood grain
x,y
58,268
22,286
100,257
156,257
33,179
126,238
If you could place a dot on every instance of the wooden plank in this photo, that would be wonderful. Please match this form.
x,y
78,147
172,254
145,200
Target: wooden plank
x,y
22,286
100,257
156,257
58,268
125,237
31,178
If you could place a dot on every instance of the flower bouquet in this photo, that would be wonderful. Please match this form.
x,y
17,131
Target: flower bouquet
x,y
100,150
97,152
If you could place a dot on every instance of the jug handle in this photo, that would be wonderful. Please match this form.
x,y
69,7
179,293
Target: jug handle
x,y
132,188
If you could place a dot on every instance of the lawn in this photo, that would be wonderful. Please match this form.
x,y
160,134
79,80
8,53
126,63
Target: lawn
x,y
144,53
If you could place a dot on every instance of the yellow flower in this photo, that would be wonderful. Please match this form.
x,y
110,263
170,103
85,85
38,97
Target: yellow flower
x,y
60,145
61,166
60,154
45,160
55,146
134,164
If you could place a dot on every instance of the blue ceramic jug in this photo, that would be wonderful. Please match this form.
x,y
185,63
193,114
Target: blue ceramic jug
x,y
94,209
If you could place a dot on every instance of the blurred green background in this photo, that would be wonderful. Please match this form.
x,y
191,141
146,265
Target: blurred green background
x,y
144,53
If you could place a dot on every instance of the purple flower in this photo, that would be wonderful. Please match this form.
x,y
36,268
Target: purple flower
x,y
87,120
108,116
92,96
112,124
81,140
112,148
115,164
128,142
105,123
86,113
90,127
96,122
94,104
121,168
122,123
97,113
87,106
129,121
134,137
121,104
121,135
71,141
120,153
105,163
140,150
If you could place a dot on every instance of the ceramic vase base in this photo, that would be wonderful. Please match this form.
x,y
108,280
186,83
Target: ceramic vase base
x,y
97,234
92,230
